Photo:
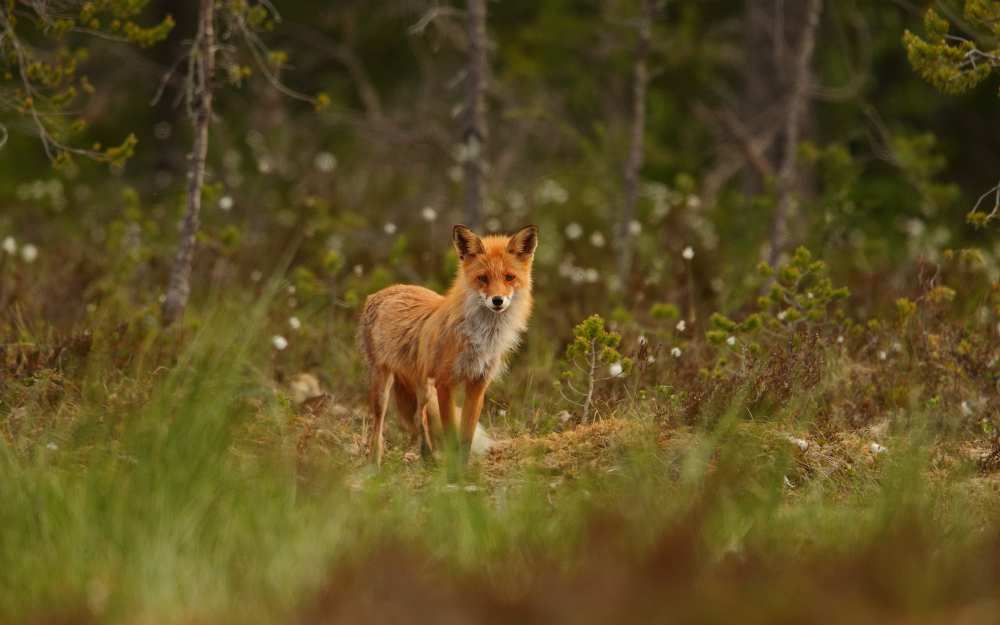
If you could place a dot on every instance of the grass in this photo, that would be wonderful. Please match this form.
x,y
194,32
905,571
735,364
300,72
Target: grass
x,y
143,482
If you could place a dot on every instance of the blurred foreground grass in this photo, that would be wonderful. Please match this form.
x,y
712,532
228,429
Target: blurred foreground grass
x,y
145,483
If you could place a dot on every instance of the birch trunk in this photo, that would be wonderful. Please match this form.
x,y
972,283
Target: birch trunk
x,y
474,134
788,174
633,164
202,68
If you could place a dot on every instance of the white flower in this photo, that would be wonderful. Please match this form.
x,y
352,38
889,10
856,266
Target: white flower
x,y
693,201
840,339
688,253
429,214
294,323
389,227
591,276
634,228
676,352
681,325
359,270
291,289
597,239
882,355
782,315
9,245
51,446
616,369
877,449
279,342
573,231
731,341
29,252
650,359
502,412
225,202
325,162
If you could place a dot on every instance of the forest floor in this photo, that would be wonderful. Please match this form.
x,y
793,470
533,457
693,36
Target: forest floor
x,y
188,492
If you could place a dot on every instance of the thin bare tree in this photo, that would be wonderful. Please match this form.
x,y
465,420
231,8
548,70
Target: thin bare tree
x,y
201,68
633,163
474,133
798,97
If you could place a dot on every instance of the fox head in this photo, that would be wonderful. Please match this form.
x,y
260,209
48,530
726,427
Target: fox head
x,y
496,267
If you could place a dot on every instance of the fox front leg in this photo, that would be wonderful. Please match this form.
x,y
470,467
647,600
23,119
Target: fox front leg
x,y
475,392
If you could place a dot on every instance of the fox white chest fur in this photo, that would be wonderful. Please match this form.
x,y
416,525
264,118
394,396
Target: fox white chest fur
x,y
488,336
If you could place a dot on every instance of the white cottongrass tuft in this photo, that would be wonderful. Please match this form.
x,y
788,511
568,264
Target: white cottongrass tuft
x,y
573,231
731,341
325,162
52,447
840,340
877,449
226,202
882,355
681,325
29,252
634,228
597,239
676,352
429,214
294,323
279,342
616,369
966,408
801,443
389,228
551,192
688,253
9,245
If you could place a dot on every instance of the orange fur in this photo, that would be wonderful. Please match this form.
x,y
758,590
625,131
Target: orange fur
x,y
420,345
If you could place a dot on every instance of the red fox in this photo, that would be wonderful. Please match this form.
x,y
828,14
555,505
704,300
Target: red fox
x,y
417,343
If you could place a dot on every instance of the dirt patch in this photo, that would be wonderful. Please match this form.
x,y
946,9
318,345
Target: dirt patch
x,y
591,447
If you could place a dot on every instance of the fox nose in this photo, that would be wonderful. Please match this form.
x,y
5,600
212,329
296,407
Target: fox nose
x,y
497,301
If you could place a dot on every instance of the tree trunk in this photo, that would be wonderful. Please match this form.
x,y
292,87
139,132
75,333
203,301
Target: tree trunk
x,y
474,134
798,98
633,164
200,98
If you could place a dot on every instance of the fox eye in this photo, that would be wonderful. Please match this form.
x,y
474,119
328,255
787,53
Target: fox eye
x,y
509,277
484,280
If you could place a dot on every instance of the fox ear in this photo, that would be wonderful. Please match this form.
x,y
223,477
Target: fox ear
x,y
466,242
524,242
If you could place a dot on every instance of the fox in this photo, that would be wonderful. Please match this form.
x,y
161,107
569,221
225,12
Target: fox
x,y
420,346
